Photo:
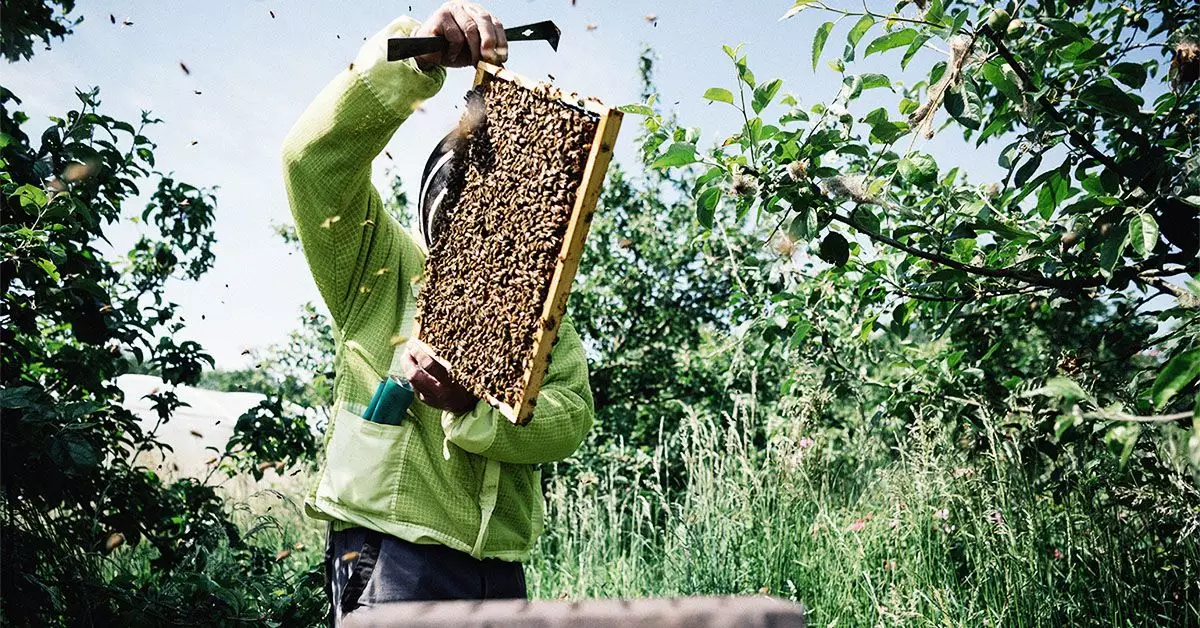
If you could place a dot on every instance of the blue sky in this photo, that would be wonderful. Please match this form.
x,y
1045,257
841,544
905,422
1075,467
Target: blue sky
x,y
257,73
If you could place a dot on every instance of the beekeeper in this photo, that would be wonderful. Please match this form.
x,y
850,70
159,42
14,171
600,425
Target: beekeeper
x,y
444,502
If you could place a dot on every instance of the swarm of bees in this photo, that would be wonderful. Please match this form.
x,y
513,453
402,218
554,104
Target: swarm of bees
x,y
498,243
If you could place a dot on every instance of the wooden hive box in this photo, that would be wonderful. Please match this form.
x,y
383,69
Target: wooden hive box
x,y
490,285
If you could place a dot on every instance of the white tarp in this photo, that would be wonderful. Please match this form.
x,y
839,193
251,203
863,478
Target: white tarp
x,y
207,419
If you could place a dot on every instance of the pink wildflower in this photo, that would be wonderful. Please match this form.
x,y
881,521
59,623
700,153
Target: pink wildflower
x,y
858,525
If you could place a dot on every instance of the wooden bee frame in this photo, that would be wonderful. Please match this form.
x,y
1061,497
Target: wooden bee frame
x,y
599,155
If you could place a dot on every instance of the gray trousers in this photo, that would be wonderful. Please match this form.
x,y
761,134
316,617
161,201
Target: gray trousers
x,y
364,568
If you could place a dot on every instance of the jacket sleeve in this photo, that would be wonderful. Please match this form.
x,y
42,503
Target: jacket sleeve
x,y
327,158
560,421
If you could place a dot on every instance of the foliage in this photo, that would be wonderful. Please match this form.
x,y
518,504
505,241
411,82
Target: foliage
x,y
78,491
935,536
26,21
1019,355
1088,241
648,297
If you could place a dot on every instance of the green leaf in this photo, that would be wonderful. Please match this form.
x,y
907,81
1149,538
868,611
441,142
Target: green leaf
x,y
719,94
31,195
1052,193
1113,247
803,226
744,72
636,109
871,80
954,358
834,249
1003,79
1178,373
913,49
1063,388
798,7
706,206
1143,234
764,94
965,106
1027,170
49,267
894,39
852,87
917,169
1104,95
1064,28
886,131
1121,439
678,154
859,29
1131,74
802,329
19,397
818,43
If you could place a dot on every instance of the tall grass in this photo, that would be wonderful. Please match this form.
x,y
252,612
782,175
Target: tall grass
x,y
925,536
757,503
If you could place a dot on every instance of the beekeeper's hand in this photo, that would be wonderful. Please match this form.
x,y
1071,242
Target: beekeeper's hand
x,y
474,34
432,382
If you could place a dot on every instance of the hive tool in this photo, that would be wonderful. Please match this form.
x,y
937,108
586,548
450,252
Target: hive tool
x,y
406,47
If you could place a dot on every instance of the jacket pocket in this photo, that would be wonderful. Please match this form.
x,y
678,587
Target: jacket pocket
x,y
364,463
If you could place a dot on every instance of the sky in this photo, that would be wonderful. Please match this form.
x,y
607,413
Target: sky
x,y
256,73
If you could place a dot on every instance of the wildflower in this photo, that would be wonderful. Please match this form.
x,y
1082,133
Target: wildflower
x,y
858,525
1058,555
805,443
942,514
798,170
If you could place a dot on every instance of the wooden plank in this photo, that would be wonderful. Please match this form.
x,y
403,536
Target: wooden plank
x,y
568,260
547,90
694,612
586,197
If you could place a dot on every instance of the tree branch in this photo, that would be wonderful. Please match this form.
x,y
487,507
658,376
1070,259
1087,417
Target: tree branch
x,y
1132,418
1027,85
1028,277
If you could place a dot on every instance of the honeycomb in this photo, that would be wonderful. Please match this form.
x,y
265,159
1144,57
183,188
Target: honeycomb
x,y
518,168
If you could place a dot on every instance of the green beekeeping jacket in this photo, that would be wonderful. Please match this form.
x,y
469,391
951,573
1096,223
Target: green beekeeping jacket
x,y
470,481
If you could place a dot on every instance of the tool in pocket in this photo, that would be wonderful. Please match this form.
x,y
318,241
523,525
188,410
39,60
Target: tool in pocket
x,y
392,398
